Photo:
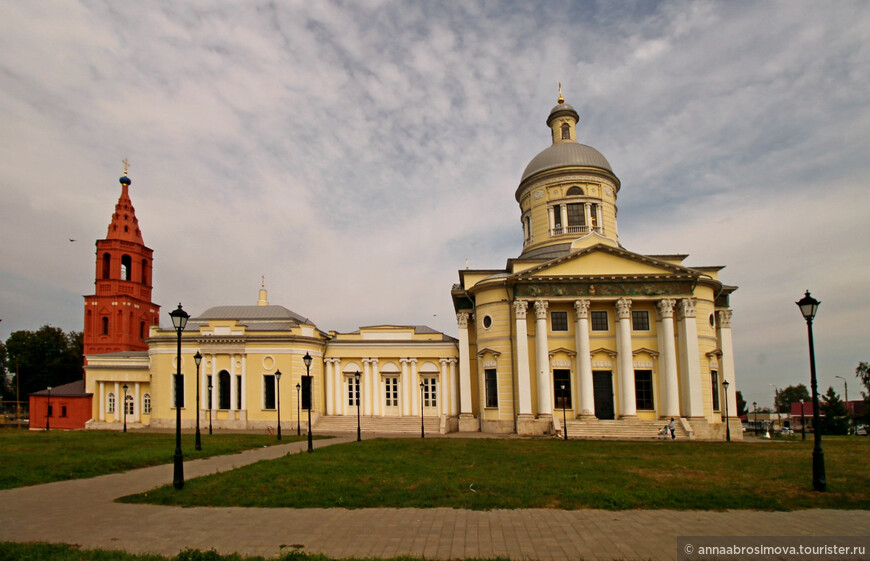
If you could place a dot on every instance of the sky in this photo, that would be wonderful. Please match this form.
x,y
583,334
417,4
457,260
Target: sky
x,y
355,154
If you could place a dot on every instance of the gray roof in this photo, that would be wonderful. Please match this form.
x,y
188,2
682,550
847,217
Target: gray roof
x,y
548,251
565,154
278,314
122,354
76,388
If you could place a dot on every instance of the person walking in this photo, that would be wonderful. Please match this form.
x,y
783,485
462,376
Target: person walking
x,y
672,428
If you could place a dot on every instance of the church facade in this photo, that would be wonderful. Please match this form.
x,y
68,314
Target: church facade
x,y
576,334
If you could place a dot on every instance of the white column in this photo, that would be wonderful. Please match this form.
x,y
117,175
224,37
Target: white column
x,y
203,388
101,415
234,396
624,358
119,398
726,364
416,406
542,350
337,388
344,388
376,389
691,395
564,209
454,388
214,384
328,382
136,404
444,389
587,216
524,375
584,358
244,384
366,387
670,387
552,220
464,365
405,388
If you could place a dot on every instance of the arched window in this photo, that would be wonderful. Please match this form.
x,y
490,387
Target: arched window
x,y
110,403
105,325
128,404
224,390
566,131
126,262
107,261
575,192
146,404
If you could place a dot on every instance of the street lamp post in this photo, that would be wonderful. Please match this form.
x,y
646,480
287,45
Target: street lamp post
x,y
307,360
278,391
197,358
355,397
125,388
803,422
755,410
422,425
846,387
727,424
48,411
564,418
209,407
809,306
298,410
179,322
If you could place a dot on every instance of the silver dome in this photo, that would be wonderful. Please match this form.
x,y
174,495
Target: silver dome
x,y
566,154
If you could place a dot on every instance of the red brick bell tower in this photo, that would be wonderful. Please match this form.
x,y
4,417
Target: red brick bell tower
x,y
120,313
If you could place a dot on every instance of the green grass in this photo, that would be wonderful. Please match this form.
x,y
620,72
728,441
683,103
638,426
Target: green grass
x,y
64,552
29,458
485,474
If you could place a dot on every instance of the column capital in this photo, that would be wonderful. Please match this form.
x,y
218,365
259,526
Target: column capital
x,y
724,318
581,309
687,308
666,307
462,319
447,360
541,309
520,308
623,308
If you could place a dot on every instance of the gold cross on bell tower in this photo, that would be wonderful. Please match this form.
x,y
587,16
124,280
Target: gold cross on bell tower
x,y
126,165
561,99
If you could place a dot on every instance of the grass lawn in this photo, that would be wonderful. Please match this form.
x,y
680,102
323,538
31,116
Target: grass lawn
x,y
486,474
29,457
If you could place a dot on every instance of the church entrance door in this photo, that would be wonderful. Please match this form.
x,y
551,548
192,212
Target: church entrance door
x,y
391,396
602,390
563,397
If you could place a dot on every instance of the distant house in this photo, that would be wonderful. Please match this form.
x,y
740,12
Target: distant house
x,y
64,407
855,408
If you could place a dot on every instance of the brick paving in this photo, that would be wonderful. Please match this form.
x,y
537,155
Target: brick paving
x,y
84,512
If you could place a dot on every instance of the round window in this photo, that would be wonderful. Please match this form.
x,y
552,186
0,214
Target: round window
x,y
712,320
487,322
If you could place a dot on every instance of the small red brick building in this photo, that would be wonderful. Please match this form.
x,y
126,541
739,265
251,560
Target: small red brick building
x,y
64,407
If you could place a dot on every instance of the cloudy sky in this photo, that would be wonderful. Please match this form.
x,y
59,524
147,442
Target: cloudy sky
x,y
357,153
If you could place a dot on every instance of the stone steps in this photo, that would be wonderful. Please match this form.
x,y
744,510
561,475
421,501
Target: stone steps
x,y
401,425
624,429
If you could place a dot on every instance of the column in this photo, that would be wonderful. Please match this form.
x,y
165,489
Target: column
x,y
244,406
587,216
203,388
464,366
552,221
415,388
101,415
366,387
214,384
668,381
564,209
234,395
137,405
328,381
119,399
584,359
338,389
454,387
542,350
444,389
524,376
624,359
376,388
691,395
726,364
405,388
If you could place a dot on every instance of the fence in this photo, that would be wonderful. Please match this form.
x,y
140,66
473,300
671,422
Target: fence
x,y
14,413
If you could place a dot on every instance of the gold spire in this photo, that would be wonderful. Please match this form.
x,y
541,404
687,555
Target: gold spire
x,y
126,165
561,99
263,281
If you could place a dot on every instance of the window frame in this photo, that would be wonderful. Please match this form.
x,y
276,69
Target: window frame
x,y
714,379
644,395
490,382
637,324
268,385
595,318
562,315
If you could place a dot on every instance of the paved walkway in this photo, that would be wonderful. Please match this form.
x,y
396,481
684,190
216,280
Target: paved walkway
x,y
83,512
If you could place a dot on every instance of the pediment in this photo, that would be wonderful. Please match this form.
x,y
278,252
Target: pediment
x,y
606,262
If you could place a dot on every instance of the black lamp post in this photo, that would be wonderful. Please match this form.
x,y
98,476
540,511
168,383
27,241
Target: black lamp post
x,y
803,422
179,322
278,391
727,424
809,306
422,425
355,397
125,388
209,404
48,411
564,418
298,410
307,360
755,410
197,358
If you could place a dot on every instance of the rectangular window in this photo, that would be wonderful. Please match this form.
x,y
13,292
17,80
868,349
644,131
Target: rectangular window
x,y
352,392
640,320
576,216
268,391
593,214
391,391
63,410
714,376
599,321
643,389
238,392
51,410
429,393
559,321
179,389
557,217
491,387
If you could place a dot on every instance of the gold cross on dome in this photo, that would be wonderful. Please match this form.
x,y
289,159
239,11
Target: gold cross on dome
x,y
561,99
126,165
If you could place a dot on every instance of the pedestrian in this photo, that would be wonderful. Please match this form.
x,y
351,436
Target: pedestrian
x,y
672,428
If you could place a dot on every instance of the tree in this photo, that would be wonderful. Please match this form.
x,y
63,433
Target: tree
x,y
792,394
42,358
836,417
863,374
4,377
741,404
